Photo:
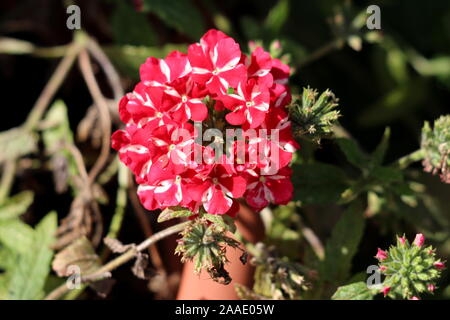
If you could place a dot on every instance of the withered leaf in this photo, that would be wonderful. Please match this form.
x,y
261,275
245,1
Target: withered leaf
x,y
141,267
80,254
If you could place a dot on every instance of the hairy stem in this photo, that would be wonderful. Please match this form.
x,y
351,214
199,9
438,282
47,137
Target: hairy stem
x,y
120,260
407,160
322,51
105,117
55,81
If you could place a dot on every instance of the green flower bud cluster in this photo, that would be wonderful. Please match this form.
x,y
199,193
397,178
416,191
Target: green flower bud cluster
x,y
436,147
313,116
409,269
205,244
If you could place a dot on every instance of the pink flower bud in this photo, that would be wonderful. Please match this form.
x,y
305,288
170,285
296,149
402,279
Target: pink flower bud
x,y
402,240
381,255
419,240
439,265
252,45
385,291
383,268
276,44
431,287
414,298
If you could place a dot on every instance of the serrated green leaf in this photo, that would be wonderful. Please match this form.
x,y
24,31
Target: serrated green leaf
x,y
342,245
172,213
27,278
16,235
8,260
179,14
216,219
354,291
352,152
223,221
318,183
16,205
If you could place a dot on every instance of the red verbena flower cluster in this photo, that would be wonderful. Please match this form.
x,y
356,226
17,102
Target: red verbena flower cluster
x,y
216,86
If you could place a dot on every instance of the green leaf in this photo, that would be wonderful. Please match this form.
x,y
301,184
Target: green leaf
x,y
172,213
216,219
380,151
318,183
342,245
16,143
179,14
16,235
230,223
277,16
57,135
354,291
387,175
27,278
16,205
352,152
130,26
223,221
8,259
57,127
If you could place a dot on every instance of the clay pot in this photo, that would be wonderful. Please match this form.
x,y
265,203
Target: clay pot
x,y
195,287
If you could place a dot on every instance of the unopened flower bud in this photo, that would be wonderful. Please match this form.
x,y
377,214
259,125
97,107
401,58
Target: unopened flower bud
x,y
386,290
313,116
381,255
419,240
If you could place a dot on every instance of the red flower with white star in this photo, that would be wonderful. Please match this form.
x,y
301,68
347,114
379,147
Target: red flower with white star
x,y
249,104
215,62
217,84
263,190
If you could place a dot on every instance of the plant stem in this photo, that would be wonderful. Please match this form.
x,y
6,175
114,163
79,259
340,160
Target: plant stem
x,y
407,160
322,51
120,260
42,103
55,81
121,202
108,68
103,110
